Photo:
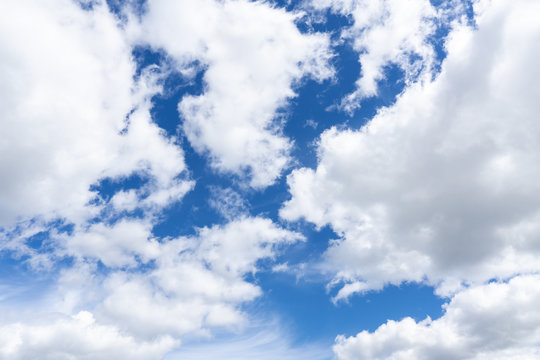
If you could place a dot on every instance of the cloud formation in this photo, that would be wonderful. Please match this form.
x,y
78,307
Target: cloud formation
x,y
75,112
385,33
195,284
439,188
441,184
79,337
479,323
72,114
252,55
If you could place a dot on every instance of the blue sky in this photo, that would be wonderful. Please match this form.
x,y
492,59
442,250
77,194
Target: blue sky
x,y
318,179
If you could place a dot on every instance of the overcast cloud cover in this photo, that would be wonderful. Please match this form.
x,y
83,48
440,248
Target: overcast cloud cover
x,y
161,196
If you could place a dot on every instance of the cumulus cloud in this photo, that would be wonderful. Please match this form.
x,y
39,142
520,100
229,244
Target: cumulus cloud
x,y
479,323
118,245
76,111
252,55
72,114
75,337
442,184
189,286
197,282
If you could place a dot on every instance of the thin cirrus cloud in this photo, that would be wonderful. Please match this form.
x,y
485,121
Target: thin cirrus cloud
x,y
265,341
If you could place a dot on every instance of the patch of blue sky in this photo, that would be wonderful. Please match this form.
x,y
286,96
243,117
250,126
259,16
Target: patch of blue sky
x,y
23,281
304,308
117,7
19,284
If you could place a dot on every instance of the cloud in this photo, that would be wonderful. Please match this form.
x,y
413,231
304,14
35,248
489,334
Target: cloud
x,y
440,185
227,202
76,112
151,293
479,323
384,33
252,56
78,336
118,245
197,282
72,114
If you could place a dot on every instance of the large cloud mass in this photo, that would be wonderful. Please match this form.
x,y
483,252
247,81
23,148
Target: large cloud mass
x,y
443,183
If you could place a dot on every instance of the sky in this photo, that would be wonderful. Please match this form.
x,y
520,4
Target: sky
x,y
249,179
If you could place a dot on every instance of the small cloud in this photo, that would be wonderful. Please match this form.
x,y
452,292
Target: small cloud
x,y
311,123
227,202
283,267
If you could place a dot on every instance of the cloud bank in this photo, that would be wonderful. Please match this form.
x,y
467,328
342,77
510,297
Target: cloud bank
x,y
441,184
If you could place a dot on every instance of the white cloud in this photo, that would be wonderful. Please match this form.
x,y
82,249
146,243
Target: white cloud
x,y
118,245
493,321
197,282
442,184
388,32
253,54
72,113
76,337
189,286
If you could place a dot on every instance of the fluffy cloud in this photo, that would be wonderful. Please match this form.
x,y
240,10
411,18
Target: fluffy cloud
x,y
442,184
388,32
72,113
117,245
197,282
189,286
479,323
75,337
75,112
252,54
